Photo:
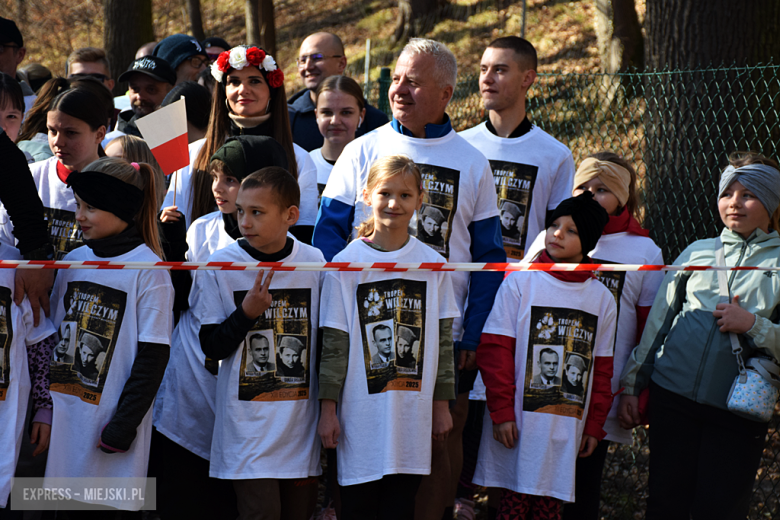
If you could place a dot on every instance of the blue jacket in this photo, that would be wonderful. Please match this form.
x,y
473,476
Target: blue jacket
x,y
303,122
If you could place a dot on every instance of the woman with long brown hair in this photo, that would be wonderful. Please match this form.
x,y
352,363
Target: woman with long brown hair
x,y
248,99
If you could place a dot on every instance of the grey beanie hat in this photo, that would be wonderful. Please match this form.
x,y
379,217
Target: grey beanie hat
x,y
761,179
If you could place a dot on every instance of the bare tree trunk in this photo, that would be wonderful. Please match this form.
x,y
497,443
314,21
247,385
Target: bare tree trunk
x,y
21,12
696,118
196,21
260,25
415,18
127,26
619,35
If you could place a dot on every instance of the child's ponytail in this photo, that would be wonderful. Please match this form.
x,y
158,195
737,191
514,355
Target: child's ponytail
x,y
366,228
146,220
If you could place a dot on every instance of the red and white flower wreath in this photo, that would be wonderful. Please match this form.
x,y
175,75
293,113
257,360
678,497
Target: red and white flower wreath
x,y
241,56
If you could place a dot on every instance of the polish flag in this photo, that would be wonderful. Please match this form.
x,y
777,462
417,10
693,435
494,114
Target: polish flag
x,y
165,131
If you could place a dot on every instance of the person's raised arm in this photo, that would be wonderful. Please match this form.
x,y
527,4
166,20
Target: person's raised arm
x,y
20,198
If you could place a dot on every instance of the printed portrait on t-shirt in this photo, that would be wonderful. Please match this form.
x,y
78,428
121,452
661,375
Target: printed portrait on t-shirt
x,y
392,325
407,344
575,377
380,342
65,349
291,358
6,337
515,188
92,322
560,349
90,357
432,224
261,353
64,231
547,366
276,352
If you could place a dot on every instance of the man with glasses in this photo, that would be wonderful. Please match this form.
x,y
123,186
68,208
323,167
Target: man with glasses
x,y
12,53
321,55
184,54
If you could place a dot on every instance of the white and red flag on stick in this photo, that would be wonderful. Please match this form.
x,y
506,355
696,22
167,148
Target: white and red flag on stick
x,y
165,131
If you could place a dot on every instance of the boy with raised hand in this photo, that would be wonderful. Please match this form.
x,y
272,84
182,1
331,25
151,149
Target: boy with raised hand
x,y
265,437
539,428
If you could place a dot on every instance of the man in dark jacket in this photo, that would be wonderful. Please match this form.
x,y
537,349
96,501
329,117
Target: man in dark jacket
x,y
321,55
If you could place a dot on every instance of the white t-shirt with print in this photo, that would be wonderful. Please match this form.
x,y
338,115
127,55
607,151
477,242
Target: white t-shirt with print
x,y
631,290
17,332
59,208
184,409
181,185
266,421
113,311
323,169
545,314
385,408
533,170
458,184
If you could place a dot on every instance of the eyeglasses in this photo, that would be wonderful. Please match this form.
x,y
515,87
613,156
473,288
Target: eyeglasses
x,y
197,61
5,46
95,75
316,58
213,57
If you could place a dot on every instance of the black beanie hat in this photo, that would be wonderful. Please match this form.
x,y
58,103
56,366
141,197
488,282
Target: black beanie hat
x,y
245,154
587,214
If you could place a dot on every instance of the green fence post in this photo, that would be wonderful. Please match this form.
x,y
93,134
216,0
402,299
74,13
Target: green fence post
x,y
384,84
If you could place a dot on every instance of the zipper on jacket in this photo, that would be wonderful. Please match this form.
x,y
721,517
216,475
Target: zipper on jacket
x,y
707,345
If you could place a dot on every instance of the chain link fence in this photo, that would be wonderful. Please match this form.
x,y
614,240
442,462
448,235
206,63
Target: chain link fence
x,y
677,127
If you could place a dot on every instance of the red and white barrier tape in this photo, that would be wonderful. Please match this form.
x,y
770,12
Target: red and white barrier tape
x,y
358,266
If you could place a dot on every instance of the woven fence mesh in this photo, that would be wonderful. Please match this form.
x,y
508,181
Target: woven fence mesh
x,y
677,127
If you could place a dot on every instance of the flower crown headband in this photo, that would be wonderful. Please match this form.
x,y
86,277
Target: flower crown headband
x,y
241,56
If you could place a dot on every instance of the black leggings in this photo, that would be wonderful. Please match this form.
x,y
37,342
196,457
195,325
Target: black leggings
x,y
587,485
703,460
390,498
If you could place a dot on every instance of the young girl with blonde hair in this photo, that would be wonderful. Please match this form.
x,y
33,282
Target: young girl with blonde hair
x,y
387,354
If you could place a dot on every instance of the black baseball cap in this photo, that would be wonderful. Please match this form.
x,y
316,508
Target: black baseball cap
x,y
152,66
9,32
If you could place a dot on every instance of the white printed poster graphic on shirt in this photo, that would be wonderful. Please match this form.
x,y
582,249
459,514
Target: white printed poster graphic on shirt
x,y
89,333
433,223
392,318
560,354
6,337
515,188
64,231
275,353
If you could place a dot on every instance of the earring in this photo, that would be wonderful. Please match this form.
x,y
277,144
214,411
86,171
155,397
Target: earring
x,y
360,121
268,106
